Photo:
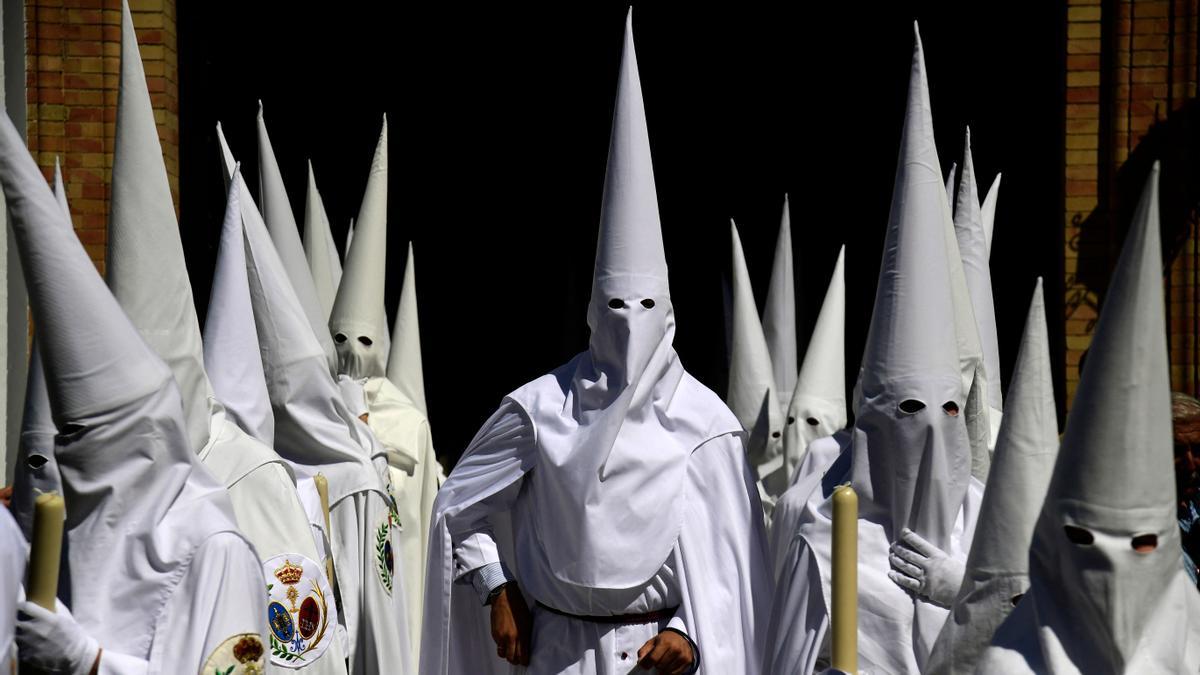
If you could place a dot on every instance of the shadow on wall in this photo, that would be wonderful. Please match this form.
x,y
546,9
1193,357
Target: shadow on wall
x,y
1173,141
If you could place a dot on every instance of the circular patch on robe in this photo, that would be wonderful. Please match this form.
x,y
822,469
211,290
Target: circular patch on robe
x,y
385,563
300,612
242,654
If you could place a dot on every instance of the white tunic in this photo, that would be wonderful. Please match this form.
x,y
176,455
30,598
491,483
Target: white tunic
x,y
716,573
404,433
267,507
12,571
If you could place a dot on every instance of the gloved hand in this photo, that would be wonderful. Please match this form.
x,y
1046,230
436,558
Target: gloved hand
x,y
52,642
924,569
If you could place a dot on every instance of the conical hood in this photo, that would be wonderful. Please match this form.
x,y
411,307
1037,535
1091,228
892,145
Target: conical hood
x,y
93,357
281,222
230,337
323,262
751,396
404,361
911,462
313,429
349,239
629,247
973,251
1105,551
997,570
36,469
357,322
145,265
779,315
950,180
818,406
987,213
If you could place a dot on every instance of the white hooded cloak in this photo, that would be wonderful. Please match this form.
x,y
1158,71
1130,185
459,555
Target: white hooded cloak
x,y
624,478
909,458
161,578
1096,603
997,570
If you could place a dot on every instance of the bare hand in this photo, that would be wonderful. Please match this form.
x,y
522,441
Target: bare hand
x,y
512,625
668,651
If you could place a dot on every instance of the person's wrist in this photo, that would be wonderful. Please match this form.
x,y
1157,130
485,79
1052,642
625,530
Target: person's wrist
x,y
497,592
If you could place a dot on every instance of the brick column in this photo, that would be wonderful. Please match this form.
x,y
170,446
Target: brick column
x,y
73,65
1131,65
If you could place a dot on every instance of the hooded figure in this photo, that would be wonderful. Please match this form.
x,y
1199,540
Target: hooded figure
x,y
909,459
779,314
1107,592
752,395
267,503
635,524
148,276
997,569
987,212
316,433
281,223
817,413
358,323
36,471
323,261
161,579
973,251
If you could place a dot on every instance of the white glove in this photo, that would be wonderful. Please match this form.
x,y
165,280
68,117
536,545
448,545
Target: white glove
x,y
52,642
925,569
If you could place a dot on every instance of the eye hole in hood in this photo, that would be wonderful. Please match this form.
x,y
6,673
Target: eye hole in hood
x,y
911,406
1078,535
616,303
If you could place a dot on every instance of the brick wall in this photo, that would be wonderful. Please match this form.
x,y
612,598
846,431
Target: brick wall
x,y
72,68
1131,73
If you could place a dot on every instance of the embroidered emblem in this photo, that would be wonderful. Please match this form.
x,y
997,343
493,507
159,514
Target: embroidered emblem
x,y
241,654
384,562
300,610
393,509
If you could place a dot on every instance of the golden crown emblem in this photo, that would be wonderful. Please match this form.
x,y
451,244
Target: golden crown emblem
x,y
289,574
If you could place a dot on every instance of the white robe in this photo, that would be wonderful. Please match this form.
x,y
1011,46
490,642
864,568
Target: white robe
x,y
267,506
718,561
790,505
404,433
889,637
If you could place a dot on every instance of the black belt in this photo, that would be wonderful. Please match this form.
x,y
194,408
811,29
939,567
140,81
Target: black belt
x,y
648,617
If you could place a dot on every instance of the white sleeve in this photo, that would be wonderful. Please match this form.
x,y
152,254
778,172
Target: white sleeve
x,y
221,598
471,531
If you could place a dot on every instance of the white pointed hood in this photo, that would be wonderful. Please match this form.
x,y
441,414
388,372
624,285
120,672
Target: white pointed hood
x,y
911,459
404,361
779,314
36,470
145,266
349,240
997,570
323,262
752,396
950,180
973,251
133,486
314,431
818,406
624,412
358,323
987,212
1102,606
281,223
230,337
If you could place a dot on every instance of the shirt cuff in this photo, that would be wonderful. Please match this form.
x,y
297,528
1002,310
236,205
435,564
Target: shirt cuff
x,y
676,625
488,578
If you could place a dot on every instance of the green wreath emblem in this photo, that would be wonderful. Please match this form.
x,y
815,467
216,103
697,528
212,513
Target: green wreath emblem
x,y
384,561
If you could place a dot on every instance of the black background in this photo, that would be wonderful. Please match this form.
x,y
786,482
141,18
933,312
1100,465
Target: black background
x,y
499,118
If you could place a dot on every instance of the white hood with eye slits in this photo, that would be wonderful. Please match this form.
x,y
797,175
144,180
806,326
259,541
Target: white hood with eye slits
x,y
779,313
623,415
1096,603
358,322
